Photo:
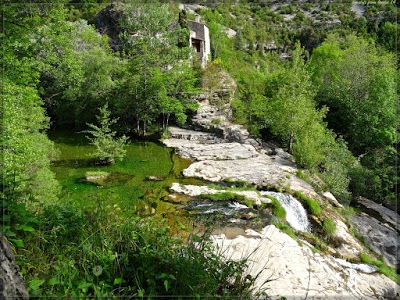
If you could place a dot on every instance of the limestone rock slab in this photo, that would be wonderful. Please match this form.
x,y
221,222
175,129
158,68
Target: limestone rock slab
x,y
298,273
11,282
263,171
220,151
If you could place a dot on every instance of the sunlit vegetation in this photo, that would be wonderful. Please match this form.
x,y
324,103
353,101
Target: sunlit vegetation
x,y
312,205
310,76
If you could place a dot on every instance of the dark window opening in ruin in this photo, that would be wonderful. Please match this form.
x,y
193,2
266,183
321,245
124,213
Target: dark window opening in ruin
x,y
197,45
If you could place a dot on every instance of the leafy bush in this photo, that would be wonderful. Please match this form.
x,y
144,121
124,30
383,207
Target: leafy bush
x,y
17,222
312,205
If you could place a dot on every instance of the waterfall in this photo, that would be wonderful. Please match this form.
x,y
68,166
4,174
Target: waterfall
x,y
296,215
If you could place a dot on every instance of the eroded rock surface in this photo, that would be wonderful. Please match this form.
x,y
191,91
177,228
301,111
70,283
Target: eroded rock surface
x,y
299,273
11,281
349,246
381,233
220,151
262,170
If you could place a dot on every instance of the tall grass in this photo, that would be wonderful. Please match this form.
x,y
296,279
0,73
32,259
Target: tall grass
x,y
96,254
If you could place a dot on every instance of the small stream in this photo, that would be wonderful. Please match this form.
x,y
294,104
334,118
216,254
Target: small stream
x,y
228,217
128,187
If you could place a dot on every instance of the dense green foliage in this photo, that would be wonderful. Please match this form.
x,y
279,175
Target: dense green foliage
x,y
333,104
66,70
330,99
357,82
114,257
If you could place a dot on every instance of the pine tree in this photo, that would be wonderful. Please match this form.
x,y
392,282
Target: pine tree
x,y
108,148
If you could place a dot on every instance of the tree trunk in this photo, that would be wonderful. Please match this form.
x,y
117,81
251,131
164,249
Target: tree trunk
x,y
168,115
291,138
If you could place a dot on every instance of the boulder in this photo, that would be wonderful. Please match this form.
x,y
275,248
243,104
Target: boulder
x,y
11,281
385,214
349,246
380,228
332,199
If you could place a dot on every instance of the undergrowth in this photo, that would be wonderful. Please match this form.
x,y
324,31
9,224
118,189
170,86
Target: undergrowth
x,y
97,254
329,228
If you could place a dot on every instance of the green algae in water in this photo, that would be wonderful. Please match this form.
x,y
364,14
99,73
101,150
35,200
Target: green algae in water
x,y
126,183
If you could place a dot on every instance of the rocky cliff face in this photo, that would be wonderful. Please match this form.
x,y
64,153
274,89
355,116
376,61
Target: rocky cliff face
x,y
285,267
106,22
11,281
380,228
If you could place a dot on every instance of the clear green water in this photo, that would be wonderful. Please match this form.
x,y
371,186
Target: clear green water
x,y
127,186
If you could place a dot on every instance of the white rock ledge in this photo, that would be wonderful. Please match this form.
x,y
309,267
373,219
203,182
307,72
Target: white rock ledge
x,y
298,273
197,190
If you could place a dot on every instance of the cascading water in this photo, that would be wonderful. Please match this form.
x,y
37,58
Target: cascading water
x,y
296,215
217,207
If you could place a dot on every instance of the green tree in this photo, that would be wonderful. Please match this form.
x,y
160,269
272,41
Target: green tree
x,y
26,150
357,81
158,77
291,110
109,148
78,70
